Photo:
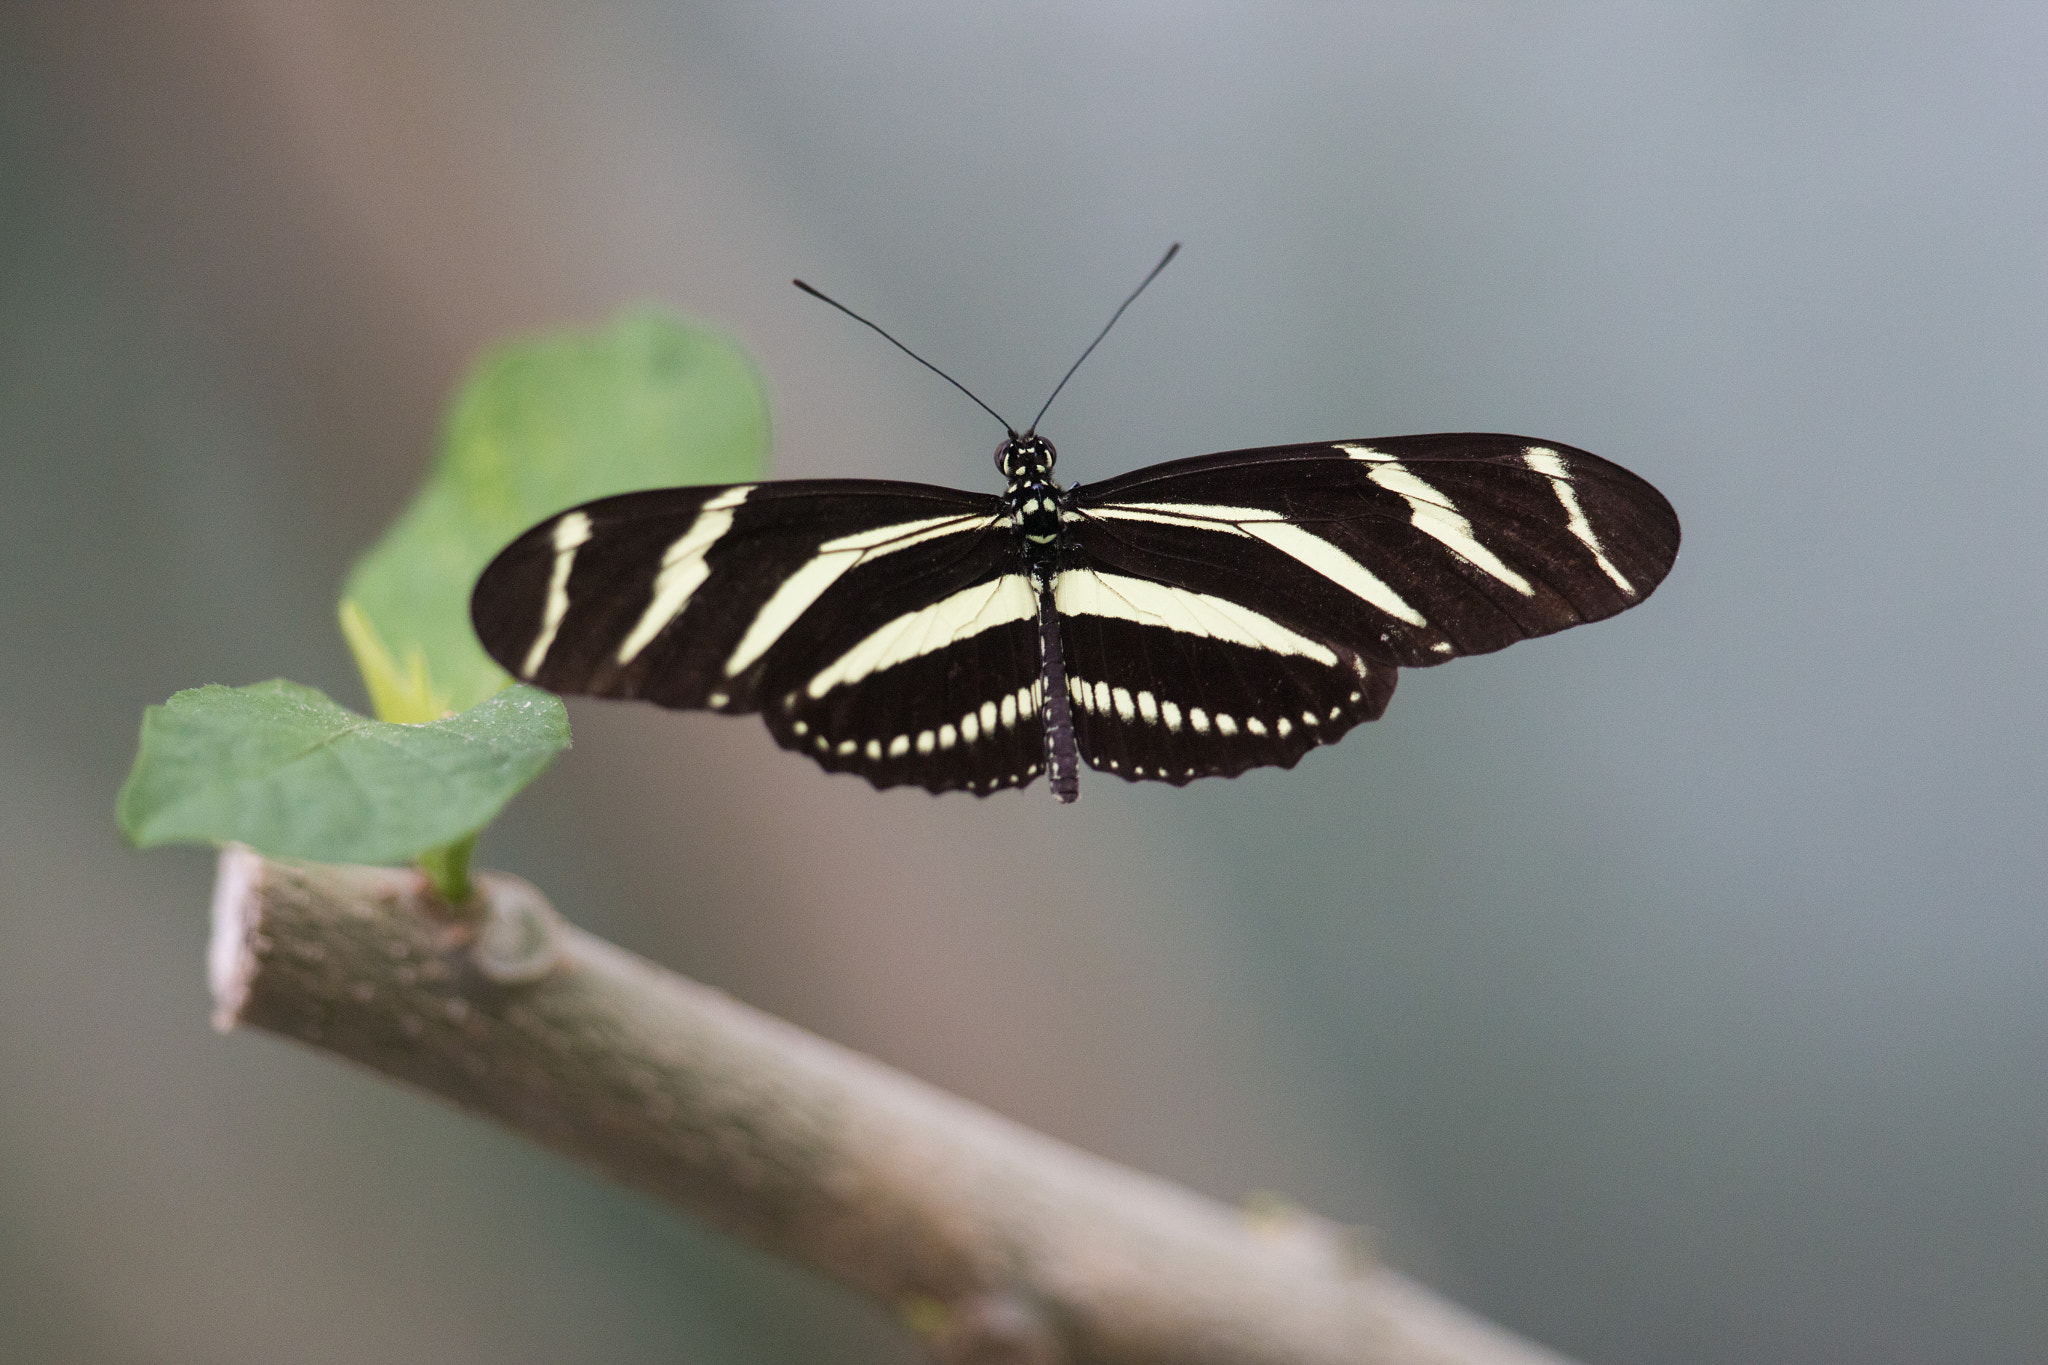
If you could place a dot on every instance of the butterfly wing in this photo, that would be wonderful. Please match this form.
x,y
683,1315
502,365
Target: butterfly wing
x,y
1282,587
1170,683
886,629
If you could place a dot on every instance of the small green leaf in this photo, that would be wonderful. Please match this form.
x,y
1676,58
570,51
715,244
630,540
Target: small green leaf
x,y
280,767
406,695
648,402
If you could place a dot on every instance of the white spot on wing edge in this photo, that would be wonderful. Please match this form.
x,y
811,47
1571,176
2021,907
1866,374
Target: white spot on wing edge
x,y
683,570
1546,462
1436,516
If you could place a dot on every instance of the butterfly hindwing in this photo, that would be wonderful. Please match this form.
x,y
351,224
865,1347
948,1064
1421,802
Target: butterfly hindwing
x,y
928,679
1170,683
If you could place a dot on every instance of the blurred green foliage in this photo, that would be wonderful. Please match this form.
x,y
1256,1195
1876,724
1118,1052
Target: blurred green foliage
x,y
539,426
542,425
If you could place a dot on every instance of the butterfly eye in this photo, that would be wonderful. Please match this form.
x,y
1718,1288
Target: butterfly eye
x,y
1003,459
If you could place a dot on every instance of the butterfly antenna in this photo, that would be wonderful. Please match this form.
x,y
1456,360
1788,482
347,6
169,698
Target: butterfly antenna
x,y
1171,252
816,294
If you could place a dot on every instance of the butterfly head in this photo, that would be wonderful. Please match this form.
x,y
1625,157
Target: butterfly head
x,y
1029,456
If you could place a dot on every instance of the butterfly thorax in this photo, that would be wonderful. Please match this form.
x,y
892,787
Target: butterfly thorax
x,y
1034,499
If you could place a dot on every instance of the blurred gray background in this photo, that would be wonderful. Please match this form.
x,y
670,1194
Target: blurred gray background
x,y
1671,990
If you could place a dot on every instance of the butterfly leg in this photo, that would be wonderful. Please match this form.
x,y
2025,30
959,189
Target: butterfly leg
x,y
1062,756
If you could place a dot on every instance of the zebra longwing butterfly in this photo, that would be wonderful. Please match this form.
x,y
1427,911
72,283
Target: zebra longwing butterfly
x,y
1192,619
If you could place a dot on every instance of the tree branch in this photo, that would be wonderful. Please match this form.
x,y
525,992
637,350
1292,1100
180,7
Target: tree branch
x,y
991,1241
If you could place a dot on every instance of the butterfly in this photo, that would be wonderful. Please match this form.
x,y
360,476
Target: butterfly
x,y
1191,619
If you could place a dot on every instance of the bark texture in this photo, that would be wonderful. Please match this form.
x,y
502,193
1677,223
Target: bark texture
x,y
992,1242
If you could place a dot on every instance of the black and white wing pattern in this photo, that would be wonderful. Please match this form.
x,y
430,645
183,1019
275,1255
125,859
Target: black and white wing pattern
x,y
1237,610
886,629
1193,619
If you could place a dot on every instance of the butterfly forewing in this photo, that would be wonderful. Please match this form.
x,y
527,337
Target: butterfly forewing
x,y
1411,550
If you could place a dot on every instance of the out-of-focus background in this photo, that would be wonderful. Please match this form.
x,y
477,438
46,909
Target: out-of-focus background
x,y
1674,989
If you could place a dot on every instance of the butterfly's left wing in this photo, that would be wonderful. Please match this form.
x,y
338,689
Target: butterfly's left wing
x,y
881,628
1236,610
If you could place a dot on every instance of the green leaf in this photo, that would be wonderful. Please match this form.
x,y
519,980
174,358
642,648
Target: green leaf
x,y
400,694
648,402
280,767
